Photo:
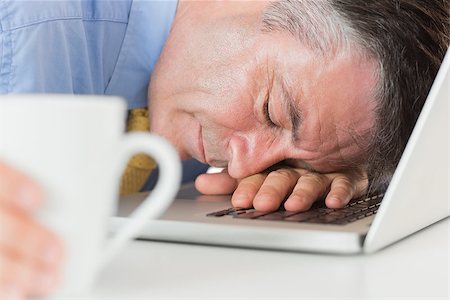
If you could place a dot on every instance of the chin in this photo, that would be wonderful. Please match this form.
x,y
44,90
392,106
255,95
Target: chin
x,y
183,155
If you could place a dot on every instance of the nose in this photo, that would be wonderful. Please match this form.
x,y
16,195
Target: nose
x,y
252,154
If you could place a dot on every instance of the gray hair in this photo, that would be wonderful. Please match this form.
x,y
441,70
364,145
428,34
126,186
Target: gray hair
x,y
408,39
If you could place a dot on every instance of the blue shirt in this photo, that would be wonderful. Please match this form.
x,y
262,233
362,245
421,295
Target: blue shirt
x,y
82,46
85,47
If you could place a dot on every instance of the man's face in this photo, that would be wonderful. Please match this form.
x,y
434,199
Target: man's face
x,y
229,95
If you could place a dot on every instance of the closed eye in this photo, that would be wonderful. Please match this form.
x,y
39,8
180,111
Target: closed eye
x,y
267,112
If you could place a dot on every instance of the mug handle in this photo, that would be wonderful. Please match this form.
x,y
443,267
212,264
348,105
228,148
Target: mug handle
x,y
160,197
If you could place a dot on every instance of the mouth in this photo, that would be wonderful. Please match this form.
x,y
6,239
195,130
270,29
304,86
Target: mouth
x,y
200,153
200,147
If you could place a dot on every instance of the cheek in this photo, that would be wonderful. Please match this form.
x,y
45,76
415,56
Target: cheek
x,y
233,115
157,114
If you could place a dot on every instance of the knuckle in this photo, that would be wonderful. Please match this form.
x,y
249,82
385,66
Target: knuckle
x,y
285,174
252,182
305,194
248,186
341,195
345,181
344,188
362,185
239,199
344,185
315,178
268,191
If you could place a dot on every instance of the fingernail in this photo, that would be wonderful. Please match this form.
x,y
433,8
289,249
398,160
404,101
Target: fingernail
x,y
334,202
294,204
295,199
240,199
263,197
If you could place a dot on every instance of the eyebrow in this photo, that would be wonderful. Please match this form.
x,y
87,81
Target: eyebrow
x,y
295,116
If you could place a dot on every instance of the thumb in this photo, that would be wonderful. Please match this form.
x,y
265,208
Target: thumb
x,y
216,184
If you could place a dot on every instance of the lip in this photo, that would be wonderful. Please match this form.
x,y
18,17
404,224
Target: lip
x,y
200,147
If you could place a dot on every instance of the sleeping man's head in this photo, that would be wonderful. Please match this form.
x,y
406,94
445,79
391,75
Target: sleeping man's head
x,y
325,85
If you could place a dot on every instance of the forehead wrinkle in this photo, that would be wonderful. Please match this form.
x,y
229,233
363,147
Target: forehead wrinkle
x,y
326,151
339,147
337,142
346,152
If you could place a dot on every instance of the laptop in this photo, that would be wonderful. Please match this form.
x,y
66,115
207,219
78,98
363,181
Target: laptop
x,y
416,197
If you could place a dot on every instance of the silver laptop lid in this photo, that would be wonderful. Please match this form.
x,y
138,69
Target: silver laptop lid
x,y
418,192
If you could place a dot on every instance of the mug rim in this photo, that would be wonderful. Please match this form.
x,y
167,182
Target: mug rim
x,y
56,99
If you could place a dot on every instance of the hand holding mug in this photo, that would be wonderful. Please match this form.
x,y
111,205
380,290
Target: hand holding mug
x,y
74,148
30,255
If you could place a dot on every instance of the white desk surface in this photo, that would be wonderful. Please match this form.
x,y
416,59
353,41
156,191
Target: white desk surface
x,y
415,268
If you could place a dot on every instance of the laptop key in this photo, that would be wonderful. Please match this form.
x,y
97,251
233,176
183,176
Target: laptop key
x,y
356,216
303,216
361,216
277,216
236,213
357,209
369,213
373,202
224,212
252,214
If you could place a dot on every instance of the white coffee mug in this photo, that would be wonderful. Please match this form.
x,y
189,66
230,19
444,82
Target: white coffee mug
x,y
76,149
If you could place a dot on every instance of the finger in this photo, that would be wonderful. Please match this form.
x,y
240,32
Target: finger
x,y
27,239
362,185
342,190
18,190
308,189
13,278
19,278
215,184
246,190
274,190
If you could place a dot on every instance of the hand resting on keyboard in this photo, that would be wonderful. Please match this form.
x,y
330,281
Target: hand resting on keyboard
x,y
297,188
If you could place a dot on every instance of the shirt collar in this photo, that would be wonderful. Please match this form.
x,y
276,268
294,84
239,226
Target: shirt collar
x,y
148,27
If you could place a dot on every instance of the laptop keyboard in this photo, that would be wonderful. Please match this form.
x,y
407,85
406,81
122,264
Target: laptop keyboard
x,y
356,210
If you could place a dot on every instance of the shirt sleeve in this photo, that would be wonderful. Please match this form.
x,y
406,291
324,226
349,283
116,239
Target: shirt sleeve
x,y
148,28
82,47
59,46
